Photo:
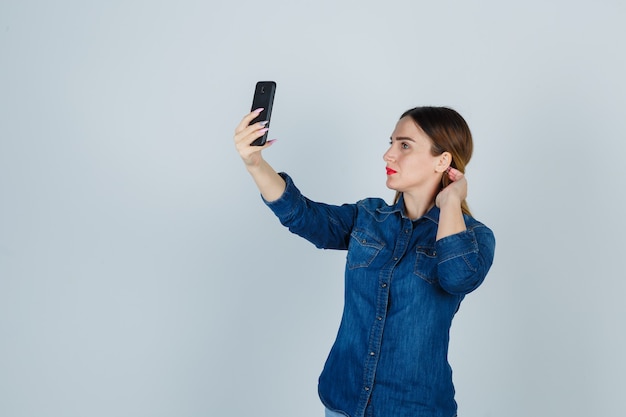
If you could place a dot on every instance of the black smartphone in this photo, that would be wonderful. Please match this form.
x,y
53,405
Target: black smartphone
x,y
263,98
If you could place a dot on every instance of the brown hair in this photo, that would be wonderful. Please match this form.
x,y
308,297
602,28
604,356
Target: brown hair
x,y
448,132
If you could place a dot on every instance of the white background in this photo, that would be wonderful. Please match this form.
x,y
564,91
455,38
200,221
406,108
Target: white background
x,y
141,275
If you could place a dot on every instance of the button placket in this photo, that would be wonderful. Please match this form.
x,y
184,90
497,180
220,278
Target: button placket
x,y
401,245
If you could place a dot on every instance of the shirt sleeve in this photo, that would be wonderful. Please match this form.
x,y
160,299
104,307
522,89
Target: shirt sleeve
x,y
465,258
326,226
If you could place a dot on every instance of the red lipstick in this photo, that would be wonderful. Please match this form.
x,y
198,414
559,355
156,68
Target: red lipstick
x,y
390,171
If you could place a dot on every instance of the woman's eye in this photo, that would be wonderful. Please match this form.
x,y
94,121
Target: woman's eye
x,y
405,146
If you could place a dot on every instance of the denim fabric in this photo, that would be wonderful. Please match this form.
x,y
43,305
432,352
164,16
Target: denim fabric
x,y
330,413
402,289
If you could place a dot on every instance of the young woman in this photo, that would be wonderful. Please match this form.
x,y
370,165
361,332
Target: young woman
x,y
409,265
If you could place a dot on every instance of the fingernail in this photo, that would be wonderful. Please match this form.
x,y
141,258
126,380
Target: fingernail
x,y
271,141
259,110
264,122
264,130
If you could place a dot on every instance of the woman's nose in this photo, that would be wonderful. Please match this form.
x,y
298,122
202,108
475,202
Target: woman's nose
x,y
388,156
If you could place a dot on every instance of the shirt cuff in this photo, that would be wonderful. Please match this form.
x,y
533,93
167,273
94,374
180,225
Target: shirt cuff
x,y
284,205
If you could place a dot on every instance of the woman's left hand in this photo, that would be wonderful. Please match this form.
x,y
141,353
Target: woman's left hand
x,y
455,192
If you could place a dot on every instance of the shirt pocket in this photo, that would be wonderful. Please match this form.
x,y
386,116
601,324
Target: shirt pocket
x,y
363,249
426,263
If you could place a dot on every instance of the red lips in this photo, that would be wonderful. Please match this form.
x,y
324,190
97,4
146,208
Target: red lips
x,y
391,171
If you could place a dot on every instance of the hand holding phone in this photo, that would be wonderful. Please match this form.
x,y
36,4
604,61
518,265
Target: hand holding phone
x,y
263,98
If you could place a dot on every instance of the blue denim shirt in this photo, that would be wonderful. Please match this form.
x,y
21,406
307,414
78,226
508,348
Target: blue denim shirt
x,y
402,289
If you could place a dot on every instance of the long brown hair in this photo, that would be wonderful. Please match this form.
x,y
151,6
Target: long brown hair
x,y
448,132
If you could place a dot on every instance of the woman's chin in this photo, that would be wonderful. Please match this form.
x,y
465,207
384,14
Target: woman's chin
x,y
390,185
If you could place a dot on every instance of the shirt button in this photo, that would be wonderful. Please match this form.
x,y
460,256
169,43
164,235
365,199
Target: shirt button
x,y
384,285
367,388
395,259
379,318
406,231
372,353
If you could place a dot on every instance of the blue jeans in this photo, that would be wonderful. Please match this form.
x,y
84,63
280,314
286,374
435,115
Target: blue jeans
x,y
330,413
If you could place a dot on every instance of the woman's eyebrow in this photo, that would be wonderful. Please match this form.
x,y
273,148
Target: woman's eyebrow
x,y
403,138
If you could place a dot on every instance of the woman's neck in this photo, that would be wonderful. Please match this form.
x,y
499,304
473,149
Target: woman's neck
x,y
415,206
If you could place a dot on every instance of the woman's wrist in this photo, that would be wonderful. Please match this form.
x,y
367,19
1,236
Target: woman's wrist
x,y
449,202
451,219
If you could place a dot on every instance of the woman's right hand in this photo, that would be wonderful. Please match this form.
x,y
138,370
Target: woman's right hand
x,y
245,134
267,180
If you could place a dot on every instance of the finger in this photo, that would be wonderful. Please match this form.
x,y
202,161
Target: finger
x,y
241,133
251,133
454,174
247,119
246,140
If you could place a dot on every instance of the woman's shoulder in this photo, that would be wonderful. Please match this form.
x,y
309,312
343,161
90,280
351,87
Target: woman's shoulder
x,y
375,207
373,203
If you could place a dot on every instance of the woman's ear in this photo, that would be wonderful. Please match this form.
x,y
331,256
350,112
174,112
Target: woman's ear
x,y
443,162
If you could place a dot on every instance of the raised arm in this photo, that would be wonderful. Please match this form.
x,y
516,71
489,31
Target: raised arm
x,y
449,202
465,254
270,184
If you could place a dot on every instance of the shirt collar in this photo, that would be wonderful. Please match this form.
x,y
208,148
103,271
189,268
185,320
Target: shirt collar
x,y
432,214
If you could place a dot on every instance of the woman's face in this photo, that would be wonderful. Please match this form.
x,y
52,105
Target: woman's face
x,y
410,165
